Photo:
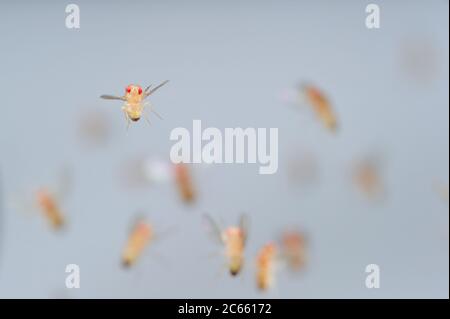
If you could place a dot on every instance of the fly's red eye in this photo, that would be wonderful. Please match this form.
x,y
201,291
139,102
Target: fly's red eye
x,y
128,89
140,91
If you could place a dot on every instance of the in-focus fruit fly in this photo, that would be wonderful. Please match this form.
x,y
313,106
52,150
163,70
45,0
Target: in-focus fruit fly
x,y
320,104
134,101
234,239
265,266
139,238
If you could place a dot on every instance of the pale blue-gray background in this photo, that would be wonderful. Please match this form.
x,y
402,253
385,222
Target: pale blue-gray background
x,y
227,62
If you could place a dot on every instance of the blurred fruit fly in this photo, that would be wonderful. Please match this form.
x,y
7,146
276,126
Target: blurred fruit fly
x,y
418,58
48,200
94,128
234,239
134,101
265,264
303,169
185,183
49,206
140,237
293,245
442,190
367,177
320,104
143,171
150,171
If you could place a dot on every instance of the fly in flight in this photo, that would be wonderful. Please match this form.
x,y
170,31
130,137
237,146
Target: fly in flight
x,y
134,99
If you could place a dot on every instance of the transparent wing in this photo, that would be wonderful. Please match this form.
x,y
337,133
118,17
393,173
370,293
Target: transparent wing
x,y
150,107
157,114
154,89
147,88
112,97
213,229
244,225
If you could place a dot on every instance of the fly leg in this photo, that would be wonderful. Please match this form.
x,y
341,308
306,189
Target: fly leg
x,y
156,113
147,120
150,106
127,119
145,114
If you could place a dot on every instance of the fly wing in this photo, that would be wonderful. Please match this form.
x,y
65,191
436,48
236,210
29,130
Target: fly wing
x,y
147,88
154,89
112,97
213,229
244,225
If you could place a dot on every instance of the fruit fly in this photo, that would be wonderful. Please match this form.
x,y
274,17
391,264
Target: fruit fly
x,y
139,238
146,171
442,190
184,181
367,177
134,101
294,249
265,264
94,128
48,200
48,204
320,104
234,240
143,171
303,169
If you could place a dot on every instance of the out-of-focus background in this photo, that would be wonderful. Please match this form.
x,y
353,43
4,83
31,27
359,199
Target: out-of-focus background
x,y
229,64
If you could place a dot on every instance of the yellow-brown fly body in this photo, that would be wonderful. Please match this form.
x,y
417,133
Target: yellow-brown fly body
x,y
294,249
185,183
234,239
321,106
265,264
134,97
50,208
139,238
